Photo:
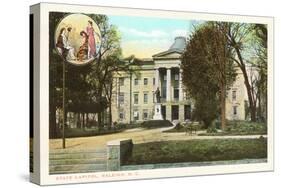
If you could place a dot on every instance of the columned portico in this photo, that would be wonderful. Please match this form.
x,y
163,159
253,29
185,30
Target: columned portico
x,y
157,78
137,94
180,85
168,90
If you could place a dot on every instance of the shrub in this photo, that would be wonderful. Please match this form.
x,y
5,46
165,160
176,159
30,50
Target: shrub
x,y
156,123
240,128
246,127
121,126
212,129
179,126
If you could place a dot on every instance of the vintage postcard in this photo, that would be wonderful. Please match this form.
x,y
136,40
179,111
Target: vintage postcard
x,y
122,94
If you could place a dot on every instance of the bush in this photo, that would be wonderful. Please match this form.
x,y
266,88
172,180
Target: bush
x,y
217,124
178,126
246,127
156,123
212,129
92,123
239,128
121,126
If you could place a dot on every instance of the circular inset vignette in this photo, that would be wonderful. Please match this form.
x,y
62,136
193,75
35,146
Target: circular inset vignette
x,y
78,39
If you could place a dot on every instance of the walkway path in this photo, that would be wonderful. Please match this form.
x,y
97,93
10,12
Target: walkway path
x,y
138,135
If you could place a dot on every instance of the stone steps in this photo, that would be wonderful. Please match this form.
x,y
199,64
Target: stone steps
x,y
77,156
77,161
64,151
78,167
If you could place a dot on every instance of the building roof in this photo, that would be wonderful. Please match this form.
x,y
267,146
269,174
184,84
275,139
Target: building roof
x,y
179,44
177,47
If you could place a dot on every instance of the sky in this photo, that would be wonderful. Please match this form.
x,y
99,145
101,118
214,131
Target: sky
x,y
146,36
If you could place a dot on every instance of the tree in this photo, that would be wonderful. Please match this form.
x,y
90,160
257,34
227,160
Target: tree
x,y
55,76
107,64
208,71
87,87
240,38
260,31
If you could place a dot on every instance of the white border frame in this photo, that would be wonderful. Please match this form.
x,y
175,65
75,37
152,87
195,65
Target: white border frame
x,y
46,179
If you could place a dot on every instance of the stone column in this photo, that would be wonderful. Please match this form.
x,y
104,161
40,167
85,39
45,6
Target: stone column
x,y
168,89
156,83
180,85
169,112
181,113
156,78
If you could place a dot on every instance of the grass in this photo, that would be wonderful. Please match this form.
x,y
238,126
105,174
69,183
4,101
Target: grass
x,y
232,128
198,151
240,128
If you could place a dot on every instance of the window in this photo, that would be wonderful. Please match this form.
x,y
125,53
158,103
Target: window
x,y
136,115
145,114
176,93
153,81
165,77
234,95
176,77
121,81
121,115
145,98
136,98
121,98
234,110
136,81
175,112
145,81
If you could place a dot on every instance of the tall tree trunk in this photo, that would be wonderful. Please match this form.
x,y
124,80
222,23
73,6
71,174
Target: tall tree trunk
x,y
87,119
83,120
53,124
65,117
222,101
100,110
259,108
110,108
110,115
252,106
99,121
102,118
78,121
265,113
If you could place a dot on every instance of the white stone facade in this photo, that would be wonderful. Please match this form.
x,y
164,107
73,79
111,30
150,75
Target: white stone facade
x,y
133,97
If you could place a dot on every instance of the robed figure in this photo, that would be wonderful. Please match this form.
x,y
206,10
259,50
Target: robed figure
x,y
91,40
158,96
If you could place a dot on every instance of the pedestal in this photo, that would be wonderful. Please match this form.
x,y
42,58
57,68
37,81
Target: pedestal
x,y
157,112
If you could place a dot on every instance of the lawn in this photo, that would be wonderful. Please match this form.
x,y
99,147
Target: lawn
x,y
232,128
240,128
198,151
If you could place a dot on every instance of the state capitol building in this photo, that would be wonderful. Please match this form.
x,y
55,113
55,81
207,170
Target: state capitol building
x,y
133,97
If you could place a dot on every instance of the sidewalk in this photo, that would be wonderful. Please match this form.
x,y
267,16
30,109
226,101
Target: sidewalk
x,y
138,135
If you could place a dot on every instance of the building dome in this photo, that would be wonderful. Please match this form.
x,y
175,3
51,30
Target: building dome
x,y
179,43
